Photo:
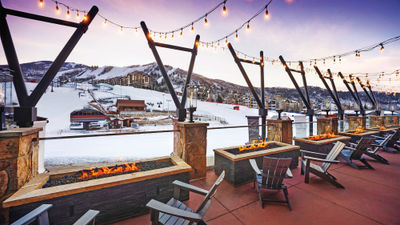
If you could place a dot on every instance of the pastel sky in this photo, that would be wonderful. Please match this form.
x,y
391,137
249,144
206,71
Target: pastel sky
x,y
297,29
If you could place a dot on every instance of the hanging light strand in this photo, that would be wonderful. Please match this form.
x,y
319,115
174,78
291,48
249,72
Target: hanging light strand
x,y
124,27
235,31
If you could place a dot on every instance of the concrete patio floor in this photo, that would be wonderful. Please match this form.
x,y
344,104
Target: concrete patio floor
x,y
369,197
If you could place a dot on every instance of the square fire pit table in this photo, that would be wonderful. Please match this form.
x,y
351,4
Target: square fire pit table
x,y
116,196
383,130
357,136
320,146
237,167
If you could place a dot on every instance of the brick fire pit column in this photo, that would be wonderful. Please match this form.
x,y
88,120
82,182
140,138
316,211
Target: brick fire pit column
x,y
18,162
191,146
376,121
327,125
280,130
357,122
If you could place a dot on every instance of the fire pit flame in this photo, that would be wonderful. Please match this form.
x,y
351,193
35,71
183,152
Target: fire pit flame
x,y
382,128
109,170
256,145
359,130
322,136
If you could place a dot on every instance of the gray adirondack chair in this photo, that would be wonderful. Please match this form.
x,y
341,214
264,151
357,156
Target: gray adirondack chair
x,y
321,170
373,151
41,216
271,177
175,212
391,145
356,151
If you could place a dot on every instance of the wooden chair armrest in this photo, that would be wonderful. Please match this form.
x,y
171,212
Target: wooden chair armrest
x,y
349,148
289,173
320,160
189,187
254,166
378,137
164,208
33,215
310,152
352,144
87,218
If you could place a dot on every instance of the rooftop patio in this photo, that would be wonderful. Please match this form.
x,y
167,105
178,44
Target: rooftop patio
x,y
369,197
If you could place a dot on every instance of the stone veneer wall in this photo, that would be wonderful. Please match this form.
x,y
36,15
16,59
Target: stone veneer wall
x,y
191,146
327,125
356,122
280,130
18,161
376,121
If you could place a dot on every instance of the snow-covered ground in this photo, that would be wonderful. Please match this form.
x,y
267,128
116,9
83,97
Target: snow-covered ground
x,y
57,105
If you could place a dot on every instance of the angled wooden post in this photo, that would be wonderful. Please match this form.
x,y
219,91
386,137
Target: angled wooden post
x,y
333,96
366,92
260,102
25,114
346,83
306,101
180,105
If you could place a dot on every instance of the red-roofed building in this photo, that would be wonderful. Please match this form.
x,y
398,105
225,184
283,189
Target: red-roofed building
x,y
126,106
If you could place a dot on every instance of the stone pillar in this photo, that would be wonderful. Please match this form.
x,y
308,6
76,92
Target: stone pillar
x,y
357,122
376,121
395,120
327,125
18,161
192,146
280,130
254,129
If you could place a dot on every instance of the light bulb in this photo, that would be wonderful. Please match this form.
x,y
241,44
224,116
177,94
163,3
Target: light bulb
x,y
267,17
68,14
172,36
57,8
192,29
41,3
382,48
105,21
224,11
85,17
237,36
205,21
248,27
121,29
181,33
77,15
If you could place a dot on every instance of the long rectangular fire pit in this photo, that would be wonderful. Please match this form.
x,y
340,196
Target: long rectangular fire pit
x,y
117,196
357,134
236,164
383,130
323,145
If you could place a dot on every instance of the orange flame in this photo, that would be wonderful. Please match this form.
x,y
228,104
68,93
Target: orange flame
x,y
322,136
109,170
382,128
359,130
256,145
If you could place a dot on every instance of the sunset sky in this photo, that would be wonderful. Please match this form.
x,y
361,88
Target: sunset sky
x,y
297,29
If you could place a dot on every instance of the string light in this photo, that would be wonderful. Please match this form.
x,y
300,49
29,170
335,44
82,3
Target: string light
x,y
181,33
77,15
224,11
68,14
267,17
237,36
382,48
248,26
41,3
85,17
192,29
57,8
105,22
206,21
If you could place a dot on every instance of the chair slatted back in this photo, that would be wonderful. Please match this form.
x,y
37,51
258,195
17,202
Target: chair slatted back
x,y
205,203
274,170
362,147
382,144
395,137
335,151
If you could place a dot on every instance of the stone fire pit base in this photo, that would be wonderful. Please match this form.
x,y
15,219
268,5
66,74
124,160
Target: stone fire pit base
x,y
237,167
321,146
116,197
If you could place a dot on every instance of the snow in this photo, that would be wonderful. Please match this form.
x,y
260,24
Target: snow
x,y
57,105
